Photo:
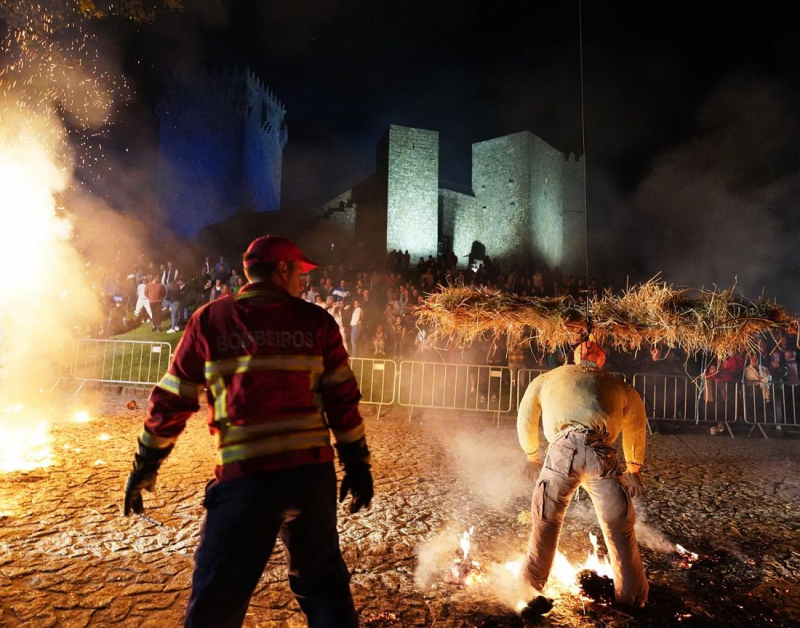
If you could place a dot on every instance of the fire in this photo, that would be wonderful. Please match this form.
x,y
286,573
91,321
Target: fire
x,y
466,572
24,443
687,558
41,307
564,575
82,416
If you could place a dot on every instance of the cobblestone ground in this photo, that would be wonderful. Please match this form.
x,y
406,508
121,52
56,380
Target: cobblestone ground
x,y
68,558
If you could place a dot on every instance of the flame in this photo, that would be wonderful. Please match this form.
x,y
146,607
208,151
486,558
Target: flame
x,y
465,542
564,575
24,444
467,572
82,416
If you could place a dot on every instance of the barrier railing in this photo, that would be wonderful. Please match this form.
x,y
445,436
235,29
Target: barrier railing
x,y
120,361
773,405
448,386
680,398
376,379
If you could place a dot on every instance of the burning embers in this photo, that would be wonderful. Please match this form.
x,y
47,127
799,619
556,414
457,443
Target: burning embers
x,y
465,571
26,440
687,558
589,581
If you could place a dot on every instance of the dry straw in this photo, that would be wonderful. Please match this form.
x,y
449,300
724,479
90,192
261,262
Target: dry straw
x,y
718,322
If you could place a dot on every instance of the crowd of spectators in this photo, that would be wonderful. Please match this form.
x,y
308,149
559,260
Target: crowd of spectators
x,y
374,308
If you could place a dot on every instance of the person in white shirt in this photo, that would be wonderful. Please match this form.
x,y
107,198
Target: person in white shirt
x,y
141,300
356,327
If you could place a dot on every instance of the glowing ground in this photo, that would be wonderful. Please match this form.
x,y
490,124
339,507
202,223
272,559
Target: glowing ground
x,y
68,558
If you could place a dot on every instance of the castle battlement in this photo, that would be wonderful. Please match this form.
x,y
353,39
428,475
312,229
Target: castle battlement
x,y
222,136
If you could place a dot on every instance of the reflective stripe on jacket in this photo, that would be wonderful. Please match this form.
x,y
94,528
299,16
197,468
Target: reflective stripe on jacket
x,y
277,377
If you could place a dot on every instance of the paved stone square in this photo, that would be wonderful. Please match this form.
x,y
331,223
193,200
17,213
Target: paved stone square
x,y
68,558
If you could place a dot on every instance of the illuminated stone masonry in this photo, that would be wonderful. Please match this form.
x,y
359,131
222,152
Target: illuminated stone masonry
x,y
525,202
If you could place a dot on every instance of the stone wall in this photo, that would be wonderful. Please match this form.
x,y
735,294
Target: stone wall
x,y
546,203
220,149
412,194
574,221
458,221
501,181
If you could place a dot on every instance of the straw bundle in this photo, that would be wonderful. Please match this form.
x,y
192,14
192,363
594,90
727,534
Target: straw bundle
x,y
719,322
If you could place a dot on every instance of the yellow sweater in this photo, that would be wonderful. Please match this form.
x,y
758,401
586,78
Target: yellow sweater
x,y
572,395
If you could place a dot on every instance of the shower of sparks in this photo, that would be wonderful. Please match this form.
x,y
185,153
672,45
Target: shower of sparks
x,y
59,92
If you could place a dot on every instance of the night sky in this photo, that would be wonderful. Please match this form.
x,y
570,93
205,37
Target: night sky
x,y
691,109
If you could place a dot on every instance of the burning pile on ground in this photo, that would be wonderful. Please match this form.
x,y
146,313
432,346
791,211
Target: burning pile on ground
x,y
718,322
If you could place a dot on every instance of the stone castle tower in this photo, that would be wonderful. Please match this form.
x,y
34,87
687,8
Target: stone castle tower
x,y
525,201
221,144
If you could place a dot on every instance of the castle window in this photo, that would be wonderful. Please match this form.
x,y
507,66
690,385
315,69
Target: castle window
x,y
511,180
264,114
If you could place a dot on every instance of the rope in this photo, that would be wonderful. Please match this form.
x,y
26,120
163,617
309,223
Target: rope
x,y
583,145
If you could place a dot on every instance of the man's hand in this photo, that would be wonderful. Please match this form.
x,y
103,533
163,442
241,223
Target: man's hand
x,y
143,476
357,480
531,470
138,481
633,482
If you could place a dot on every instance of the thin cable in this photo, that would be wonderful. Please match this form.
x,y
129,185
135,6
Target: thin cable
x,y
583,143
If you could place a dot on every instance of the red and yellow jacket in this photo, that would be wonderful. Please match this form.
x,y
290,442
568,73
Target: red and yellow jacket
x,y
278,383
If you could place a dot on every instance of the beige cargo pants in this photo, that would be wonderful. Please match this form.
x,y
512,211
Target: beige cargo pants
x,y
578,457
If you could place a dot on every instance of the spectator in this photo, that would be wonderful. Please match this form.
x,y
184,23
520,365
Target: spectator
x,y
398,337
379,341
757,374
142,301
341,292
216,291
176,305
223,269
208,286
356,327
156,292
337,312
168,274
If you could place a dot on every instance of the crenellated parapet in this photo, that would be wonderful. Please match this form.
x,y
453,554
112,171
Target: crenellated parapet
x,y
221,143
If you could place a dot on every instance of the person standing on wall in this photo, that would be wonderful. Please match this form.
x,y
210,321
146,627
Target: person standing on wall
x,y
278,383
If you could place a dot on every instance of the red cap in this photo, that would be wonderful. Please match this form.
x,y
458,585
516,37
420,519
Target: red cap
x,y
275,249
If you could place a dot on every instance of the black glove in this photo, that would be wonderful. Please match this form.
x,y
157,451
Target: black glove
x,y
143,476
357,476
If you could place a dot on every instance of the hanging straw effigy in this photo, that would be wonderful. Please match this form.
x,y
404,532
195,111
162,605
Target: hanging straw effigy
x,y
717,322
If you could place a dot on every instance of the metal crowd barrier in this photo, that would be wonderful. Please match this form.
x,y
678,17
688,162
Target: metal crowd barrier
x,y
120,361
773,405
680,398
376,379
445,386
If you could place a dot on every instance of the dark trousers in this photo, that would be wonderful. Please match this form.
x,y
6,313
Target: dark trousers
x,y
156,307
243,519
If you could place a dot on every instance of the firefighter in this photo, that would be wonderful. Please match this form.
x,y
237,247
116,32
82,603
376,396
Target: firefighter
x,y
583,410
278,383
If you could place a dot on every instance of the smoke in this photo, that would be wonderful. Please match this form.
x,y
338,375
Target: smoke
x,y
58,90
489,465
720,206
